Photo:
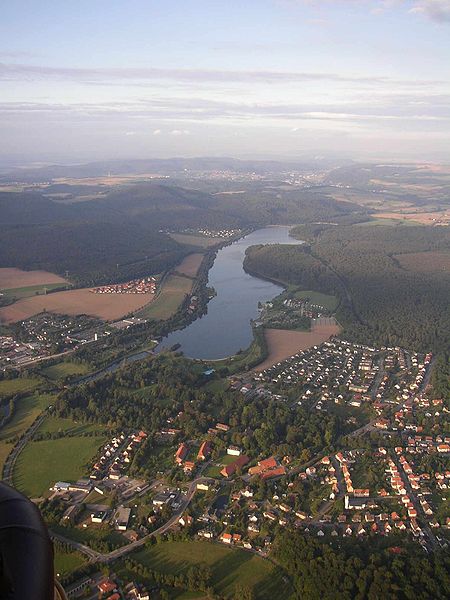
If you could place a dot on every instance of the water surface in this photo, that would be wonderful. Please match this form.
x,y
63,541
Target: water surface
x,y
226,328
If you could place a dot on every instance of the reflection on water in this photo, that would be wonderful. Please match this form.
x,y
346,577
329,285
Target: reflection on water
x,y
226,327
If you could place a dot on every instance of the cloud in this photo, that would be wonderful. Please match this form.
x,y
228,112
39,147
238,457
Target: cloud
x,y
157,132
436,10
20,72
179,132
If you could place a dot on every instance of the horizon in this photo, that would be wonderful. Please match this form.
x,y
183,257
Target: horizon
x,y
275,78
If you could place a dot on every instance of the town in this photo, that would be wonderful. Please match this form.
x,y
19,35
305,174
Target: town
x,y
147,285
389,475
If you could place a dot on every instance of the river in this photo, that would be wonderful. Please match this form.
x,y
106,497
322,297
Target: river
x,y
226,327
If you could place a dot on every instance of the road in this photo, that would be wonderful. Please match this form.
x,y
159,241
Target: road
x,y
10,462
429,535
95,556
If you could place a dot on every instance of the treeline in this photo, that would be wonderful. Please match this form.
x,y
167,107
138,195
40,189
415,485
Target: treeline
x,y
361,572
291,265
381,302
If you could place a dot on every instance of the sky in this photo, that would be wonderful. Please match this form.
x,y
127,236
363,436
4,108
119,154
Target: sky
x,y
101,79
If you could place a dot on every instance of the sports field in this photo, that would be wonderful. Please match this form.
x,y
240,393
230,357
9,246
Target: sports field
x,y
172,294
44,462
229,567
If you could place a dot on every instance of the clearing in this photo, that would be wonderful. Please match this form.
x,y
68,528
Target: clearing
x,y
229,567
16,278
328,301
282,344
441,217
173,292
190,265
42,463
75,302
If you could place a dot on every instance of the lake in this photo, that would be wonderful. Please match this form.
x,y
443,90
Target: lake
x,y
226,328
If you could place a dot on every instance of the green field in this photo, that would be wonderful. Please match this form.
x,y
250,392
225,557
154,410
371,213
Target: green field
x,y
172,294
42,463
27,409
15,386
14,294
195,240
326,300
66,562
229,567
65,369
72,428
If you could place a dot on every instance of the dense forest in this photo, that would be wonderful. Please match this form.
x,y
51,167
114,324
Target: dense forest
x,y
122,233
382,302
358,571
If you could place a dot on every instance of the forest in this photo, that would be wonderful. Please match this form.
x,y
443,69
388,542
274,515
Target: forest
x,y
380,300
360,571
122,233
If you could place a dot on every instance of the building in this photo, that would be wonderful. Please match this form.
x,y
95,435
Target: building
x,y
122,517
231,469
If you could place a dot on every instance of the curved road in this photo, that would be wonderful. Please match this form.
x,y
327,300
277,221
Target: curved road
x,y
95,556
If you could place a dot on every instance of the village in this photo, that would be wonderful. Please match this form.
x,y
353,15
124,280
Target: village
x,y
222,494
146,285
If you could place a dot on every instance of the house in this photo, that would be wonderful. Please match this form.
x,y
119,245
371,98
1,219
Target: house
x,y
226,538
107,587
181,453
278,472
203,486
205,451
233,451
231,469
185,520
222,427
122,517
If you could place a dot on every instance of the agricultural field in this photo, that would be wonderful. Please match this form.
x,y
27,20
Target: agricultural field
x,y
11,278
44,462
425,262
65,369
172,294
190,265
282,344
75,302
8,387
195,240
14,294
27,410
439,217
230,567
